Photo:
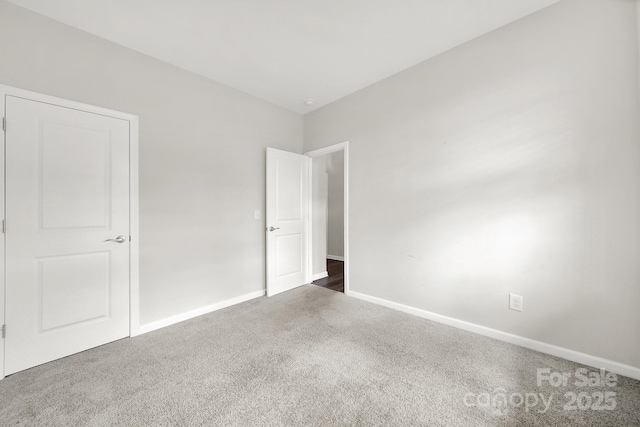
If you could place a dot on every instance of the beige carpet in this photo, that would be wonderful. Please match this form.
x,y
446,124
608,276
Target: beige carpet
x,y
307,357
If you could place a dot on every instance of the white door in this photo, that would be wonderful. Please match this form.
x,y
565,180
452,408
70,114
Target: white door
x,y
286,220
67,201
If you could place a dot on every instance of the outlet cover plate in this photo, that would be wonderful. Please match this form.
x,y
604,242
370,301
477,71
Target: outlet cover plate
x,y
515,302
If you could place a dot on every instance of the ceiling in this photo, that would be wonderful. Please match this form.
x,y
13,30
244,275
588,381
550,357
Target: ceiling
x,y
286,51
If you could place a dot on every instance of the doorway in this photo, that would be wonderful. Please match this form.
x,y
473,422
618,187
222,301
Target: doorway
x,y
70,241
289,219
329,217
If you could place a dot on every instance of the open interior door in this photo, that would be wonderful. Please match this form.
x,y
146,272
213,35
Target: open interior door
x,y
286,220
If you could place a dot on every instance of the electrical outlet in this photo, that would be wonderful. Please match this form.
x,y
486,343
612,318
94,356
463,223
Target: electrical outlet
x,y
515,302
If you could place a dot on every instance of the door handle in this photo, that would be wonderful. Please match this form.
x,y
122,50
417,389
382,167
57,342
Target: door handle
x,y
274,228
119,239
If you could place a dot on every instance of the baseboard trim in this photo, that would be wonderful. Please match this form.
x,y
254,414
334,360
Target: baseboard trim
x,y
565,353
335,257
319,276
158,324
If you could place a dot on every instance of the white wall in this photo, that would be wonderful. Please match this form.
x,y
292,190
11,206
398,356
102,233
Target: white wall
x,y
328,210
335,224
202,156
638,32
319,216
509,164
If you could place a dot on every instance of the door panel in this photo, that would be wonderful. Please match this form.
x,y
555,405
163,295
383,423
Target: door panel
x,y
83,173
74,289
287,214
289,190
290,261
67,194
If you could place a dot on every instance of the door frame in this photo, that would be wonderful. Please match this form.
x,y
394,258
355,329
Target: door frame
x,y
342,146
134,245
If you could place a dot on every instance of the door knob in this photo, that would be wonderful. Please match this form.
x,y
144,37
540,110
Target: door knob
x,y
274,228
119,239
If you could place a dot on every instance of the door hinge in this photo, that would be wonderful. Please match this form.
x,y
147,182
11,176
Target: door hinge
x,y
4,226
4,331
4,123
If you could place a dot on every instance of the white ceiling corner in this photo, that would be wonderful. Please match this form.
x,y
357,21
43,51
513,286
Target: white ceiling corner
x,y
286,51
